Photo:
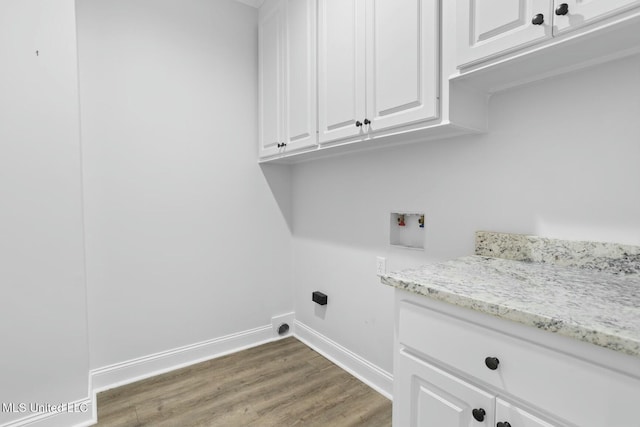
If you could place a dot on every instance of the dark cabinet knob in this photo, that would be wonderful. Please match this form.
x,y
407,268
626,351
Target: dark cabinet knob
x,y
282,144
367,121
538,19
478,414
563,9
503,424
358,123
492,363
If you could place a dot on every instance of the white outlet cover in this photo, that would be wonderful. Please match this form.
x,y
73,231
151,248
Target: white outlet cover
x,y
381,266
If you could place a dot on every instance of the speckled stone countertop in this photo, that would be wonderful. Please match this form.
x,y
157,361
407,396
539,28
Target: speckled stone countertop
x,y
585,290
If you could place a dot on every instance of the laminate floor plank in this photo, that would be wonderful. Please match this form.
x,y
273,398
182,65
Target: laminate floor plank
x,y
282,383
210,394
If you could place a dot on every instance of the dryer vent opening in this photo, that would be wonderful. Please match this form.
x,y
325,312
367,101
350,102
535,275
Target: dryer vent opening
x,y
283,329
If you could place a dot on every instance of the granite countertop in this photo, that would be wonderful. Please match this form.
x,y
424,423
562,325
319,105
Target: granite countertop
x,y
585,290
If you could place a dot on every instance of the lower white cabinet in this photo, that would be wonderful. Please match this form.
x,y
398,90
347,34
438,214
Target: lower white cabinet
x,y
429,396
457,367
510,415
426,395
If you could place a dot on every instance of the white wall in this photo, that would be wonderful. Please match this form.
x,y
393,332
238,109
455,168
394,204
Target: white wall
x,y
188,239
185,240
560,160
44,357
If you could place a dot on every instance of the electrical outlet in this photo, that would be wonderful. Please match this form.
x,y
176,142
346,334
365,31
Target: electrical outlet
x,y
381,266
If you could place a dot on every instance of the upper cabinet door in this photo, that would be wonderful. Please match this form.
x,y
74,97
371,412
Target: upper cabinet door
x,y
572,14
287,70
341,68
300,74
402,62
491,28
270,64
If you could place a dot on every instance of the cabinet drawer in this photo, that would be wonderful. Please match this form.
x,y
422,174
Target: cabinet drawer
x,y
557,383
508,413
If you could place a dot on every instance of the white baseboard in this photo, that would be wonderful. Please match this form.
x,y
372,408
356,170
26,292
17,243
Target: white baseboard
x,y
155,364
147,366
133,370
370,374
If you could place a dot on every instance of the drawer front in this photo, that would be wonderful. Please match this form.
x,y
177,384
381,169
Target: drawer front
x,y
555,382
508,413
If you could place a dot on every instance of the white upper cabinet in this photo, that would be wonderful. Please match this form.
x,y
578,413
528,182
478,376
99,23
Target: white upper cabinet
x,y
287,72
341,68
300,73
491,29
571,14
344,75
271,75
402,62
378,65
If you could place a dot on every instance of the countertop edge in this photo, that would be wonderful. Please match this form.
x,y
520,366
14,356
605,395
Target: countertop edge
x,y
600,338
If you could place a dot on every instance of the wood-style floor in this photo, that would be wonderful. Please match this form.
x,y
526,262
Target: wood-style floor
x,y
283,383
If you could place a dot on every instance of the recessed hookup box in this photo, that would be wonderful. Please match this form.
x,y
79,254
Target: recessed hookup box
x,y
407,230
